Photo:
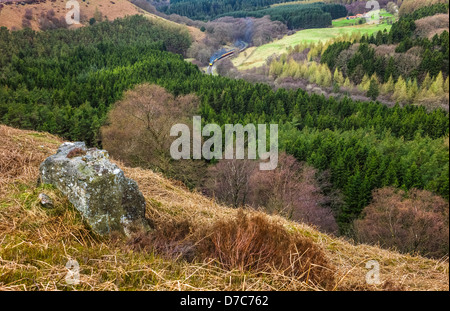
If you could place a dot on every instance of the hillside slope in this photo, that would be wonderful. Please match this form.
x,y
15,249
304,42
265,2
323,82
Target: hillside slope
x,y
35,243
12,15
258,56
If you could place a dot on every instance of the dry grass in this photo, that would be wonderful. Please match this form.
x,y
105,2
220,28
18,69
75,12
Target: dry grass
x,y
255,242
35,243
246,242
21,152
11,16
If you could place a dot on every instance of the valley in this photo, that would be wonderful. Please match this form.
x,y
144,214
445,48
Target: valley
x,y
358,173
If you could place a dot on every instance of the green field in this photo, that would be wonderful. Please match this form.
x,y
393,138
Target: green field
x,y
257,56
343,22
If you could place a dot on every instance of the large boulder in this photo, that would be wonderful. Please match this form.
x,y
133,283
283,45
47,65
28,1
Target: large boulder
x,y
96,187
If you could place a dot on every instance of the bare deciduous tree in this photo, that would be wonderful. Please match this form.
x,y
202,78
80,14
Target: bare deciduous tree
x,y
229,181
413,222
291,190
138,132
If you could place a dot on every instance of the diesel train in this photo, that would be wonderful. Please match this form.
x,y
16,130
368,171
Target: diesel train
x,y
242,46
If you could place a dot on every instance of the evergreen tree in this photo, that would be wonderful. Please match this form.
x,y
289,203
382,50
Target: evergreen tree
x,y
400,92
373,91
389,86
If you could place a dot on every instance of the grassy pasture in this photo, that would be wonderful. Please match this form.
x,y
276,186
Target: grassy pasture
x,y
257,56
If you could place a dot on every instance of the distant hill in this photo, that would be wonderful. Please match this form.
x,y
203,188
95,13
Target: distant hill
x,y
45,14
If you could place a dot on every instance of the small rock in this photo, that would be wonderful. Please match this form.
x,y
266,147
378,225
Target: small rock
x,y
45,200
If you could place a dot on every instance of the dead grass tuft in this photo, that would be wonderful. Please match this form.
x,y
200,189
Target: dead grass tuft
x,y
252,242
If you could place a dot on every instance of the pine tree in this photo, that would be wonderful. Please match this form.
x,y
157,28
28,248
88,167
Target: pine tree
x,y
412,177
347,83
339,173
354,200
326,76
400,92
412,90
365,84
437,87
373,90
427,82
390,178
338,78
389,86
313,72
390,69
303,70
276,68
319,76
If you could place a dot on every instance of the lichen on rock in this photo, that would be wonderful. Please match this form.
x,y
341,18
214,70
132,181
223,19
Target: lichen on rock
x,y
96,187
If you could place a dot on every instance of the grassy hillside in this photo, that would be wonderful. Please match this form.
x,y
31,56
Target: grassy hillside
x,y
257,57
12,16
341,22
36,243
